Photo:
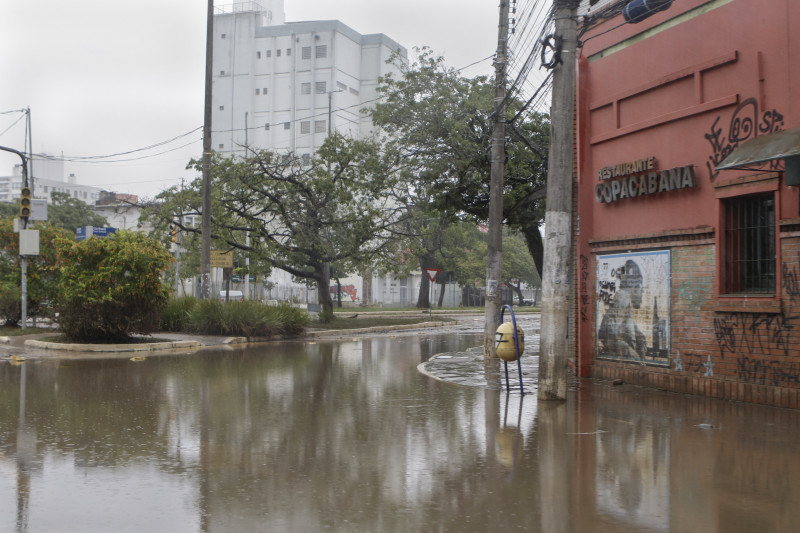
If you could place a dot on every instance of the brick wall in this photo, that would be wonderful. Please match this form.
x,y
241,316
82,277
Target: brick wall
x,y
750,355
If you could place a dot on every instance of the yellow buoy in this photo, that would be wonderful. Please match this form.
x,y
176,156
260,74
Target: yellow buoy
x,y
505,341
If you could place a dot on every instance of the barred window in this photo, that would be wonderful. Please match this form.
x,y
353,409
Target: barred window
x,y
321,87
750,259
306,159
306,52
305,88
305,126
321,51
269,53
288,51
319,126
278,52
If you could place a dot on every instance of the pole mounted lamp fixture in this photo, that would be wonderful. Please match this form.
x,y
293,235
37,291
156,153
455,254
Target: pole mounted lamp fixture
x,y
638,10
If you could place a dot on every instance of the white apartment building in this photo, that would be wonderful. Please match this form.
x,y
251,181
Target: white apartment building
x,y
284,86
48,176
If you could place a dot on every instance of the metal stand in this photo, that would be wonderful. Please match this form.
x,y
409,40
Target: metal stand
x,y
516,348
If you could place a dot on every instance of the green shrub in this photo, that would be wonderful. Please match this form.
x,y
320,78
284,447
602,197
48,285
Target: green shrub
x,y
325,316
247,318
10,304
111,287
176,313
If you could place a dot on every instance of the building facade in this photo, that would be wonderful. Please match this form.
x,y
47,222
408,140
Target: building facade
x,y
284,87
688,220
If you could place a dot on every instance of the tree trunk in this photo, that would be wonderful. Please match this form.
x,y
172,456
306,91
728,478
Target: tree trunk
x,y
323,279
441,294
518,290
533,240
423,299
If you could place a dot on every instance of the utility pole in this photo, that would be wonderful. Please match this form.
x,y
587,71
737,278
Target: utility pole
x,y
205,241
557,271
494,261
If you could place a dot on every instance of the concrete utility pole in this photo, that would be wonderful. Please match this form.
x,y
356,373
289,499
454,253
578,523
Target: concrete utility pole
x,y
494,261
205,241
557,272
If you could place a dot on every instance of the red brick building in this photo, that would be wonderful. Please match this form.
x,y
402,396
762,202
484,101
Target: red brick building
x,y
688,225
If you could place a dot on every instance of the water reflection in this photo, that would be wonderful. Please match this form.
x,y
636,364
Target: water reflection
x,y
348,436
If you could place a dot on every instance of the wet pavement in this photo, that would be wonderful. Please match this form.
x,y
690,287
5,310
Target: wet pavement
x,y
346,434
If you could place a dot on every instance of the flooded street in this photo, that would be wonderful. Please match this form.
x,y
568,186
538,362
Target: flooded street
x,y
348,436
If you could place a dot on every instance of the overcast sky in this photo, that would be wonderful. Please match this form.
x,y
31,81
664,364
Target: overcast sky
x,y
111,76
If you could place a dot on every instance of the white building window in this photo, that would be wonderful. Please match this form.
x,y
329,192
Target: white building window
x,y
221,72
353,91
221,146
269,53
306,159
306,52
305,127
222,108
278,52
322,51
264,91
258,55
305,88
319,126
288,51
287,125
341,86
258,91
321,87
223,35
266,126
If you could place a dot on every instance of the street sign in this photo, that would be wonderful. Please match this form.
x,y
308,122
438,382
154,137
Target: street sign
x,y
84,232
221,259
432,273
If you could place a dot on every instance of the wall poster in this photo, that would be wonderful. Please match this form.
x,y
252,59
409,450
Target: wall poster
x,y
633,307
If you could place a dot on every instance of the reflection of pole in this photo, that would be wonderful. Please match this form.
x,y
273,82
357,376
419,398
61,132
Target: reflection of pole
x,y
556,278
495,235
205,248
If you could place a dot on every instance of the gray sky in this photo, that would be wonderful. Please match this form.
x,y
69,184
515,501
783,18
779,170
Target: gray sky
x,y
111,76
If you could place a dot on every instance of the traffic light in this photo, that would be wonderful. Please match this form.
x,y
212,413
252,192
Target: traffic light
x,y
25,202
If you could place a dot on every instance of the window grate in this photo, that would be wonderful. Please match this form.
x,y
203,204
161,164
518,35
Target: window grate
x,y
750,244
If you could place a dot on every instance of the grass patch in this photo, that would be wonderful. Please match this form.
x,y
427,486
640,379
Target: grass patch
x,y
247,318
6,331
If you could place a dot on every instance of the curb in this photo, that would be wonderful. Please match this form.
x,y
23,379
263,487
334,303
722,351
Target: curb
x,y
374,329
113,348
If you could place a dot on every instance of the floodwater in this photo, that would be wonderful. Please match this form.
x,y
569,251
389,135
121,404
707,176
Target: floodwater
x,y
349,436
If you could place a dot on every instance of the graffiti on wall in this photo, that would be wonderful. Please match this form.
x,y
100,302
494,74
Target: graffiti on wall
x,y
584,289
753,333
633,306
745,123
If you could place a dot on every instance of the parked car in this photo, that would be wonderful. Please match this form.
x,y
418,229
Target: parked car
x,y
233,296
528,301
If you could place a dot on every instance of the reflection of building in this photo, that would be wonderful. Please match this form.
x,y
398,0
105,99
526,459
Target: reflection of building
x,y
688,146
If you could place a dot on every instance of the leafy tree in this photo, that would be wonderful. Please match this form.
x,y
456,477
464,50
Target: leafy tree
x,y
70,213
441,124
302,216
111,287
41,273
